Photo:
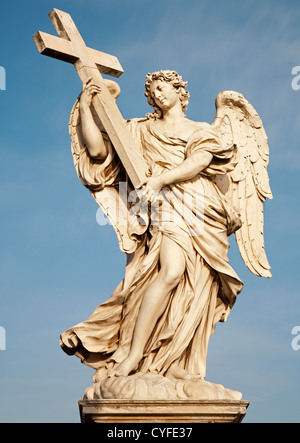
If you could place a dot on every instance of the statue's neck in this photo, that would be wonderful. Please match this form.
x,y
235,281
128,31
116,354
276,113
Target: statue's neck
x,y
173,115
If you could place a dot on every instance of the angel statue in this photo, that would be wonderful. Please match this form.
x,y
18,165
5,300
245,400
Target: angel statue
x,y
206,182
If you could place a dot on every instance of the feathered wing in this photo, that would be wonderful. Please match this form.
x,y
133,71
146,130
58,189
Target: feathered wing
x,y
112,202
247,186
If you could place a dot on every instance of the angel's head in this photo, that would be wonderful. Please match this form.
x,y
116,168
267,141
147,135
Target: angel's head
x,y
162,88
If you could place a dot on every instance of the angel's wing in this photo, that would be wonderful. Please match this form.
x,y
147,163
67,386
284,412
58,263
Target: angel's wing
x,y
247,186
112,202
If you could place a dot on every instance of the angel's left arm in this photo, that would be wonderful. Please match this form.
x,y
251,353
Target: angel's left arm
x,y
201,148
188,169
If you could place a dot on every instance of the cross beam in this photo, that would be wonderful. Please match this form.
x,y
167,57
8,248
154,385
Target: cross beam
x,y
71,48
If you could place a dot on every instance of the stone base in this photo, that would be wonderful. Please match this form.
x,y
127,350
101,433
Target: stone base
x,y
161,411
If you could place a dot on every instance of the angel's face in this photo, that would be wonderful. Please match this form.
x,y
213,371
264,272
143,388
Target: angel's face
x,y
164,94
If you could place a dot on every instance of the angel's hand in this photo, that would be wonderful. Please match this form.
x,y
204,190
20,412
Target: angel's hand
x,y
89,90
152,186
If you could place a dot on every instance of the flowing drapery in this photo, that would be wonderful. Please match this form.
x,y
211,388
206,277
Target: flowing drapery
x,y
195,215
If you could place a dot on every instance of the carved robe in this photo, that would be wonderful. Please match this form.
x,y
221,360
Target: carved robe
x,y
209,286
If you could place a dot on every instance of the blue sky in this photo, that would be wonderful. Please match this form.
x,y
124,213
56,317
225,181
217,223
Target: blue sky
x,y
57,264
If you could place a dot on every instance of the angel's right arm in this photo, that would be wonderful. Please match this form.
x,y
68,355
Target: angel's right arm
x,y
92,135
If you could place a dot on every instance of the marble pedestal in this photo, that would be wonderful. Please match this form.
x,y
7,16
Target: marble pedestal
x,y
162,411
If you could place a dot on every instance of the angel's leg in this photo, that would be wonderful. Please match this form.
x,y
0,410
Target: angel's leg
x,y
154,303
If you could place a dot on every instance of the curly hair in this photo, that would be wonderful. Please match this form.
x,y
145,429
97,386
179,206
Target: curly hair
x,y
175,80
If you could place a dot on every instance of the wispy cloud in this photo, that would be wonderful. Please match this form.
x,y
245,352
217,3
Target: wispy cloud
x,y
254,56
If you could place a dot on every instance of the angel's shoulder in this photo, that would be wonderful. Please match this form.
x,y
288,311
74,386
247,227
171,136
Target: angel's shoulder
x,y
203,125
200,128
198,125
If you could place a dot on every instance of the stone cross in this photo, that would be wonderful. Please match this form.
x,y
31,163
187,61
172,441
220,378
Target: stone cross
x,y
70,47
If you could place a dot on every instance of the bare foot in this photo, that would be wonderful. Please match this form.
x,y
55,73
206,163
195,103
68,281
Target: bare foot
x,y
125,367
178,373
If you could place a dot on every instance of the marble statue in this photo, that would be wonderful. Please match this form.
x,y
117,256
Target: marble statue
x,y
178,282
200,184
